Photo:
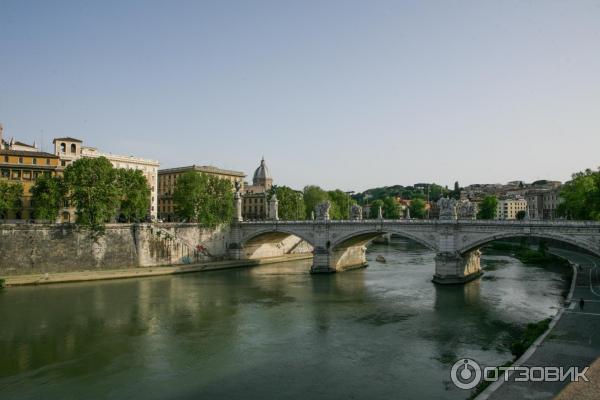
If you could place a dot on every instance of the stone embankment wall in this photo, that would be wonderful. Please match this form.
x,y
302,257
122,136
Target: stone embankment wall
x,y
39,249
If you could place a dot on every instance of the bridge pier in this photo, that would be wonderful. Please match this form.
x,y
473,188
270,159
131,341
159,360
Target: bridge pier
x,y
454,268
321,261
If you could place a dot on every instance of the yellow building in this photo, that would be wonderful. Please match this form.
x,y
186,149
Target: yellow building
x,y
24,167
508,208
167,178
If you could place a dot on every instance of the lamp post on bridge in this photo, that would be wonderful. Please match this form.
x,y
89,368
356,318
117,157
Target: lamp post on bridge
x,y
348,194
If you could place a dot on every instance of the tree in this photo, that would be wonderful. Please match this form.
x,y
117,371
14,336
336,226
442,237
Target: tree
x,y
581,196
391,210
417,208
291,203
93,189
203,198
374,213
10,198
48,196
487,208
313,195
521,214
135,195
340,204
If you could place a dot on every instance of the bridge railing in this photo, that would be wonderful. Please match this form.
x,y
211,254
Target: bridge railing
x,y
523,223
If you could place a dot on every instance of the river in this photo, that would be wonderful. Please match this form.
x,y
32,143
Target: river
x,y
273,331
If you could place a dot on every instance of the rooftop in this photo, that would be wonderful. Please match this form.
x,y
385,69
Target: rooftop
x,y
27,153
202,168
67,139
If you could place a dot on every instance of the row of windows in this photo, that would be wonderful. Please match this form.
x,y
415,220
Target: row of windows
x,y
254,200
16,174
34,160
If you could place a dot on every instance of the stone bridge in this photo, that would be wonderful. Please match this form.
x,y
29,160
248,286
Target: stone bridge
x,y
339,245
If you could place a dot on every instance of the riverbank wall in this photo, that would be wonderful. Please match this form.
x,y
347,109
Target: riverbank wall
x,y
30,249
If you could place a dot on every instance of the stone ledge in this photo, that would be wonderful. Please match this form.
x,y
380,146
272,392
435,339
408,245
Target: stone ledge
x,y
141,272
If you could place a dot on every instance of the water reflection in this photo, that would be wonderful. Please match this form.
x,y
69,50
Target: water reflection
x,y
385,331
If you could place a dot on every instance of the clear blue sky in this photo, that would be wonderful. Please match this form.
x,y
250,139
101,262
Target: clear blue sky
x,y
343,94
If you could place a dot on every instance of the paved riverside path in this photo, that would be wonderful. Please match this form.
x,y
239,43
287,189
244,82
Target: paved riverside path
x,y
573,342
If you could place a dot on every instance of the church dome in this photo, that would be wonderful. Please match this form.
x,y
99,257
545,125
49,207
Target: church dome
x,y
262,176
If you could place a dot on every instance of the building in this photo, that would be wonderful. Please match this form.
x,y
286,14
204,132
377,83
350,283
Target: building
x,y
543,203
167,178
23,163
69,149
255,196
509,207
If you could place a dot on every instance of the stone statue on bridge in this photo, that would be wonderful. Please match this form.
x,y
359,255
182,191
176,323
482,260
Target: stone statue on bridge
x,y
467,210
322,210
356,212
274,208
447,208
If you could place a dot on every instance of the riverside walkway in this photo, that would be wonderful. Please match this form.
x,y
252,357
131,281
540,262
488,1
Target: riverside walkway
x,y
572,342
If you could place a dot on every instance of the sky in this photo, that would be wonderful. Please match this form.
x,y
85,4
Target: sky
x,y
342,94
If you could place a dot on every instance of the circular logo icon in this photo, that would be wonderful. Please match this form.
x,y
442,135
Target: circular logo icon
x,y
465,373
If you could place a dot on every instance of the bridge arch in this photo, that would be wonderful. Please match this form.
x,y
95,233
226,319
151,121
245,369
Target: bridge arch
x,y
362,237
512,235
282,232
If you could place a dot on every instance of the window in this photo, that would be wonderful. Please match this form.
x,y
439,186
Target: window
x,y
16,174
73,148
63,163
34,161
5,158
63,148
27,175
20,160
6,173
47,161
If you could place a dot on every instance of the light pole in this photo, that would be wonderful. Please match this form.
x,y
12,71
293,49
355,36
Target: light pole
x,y
349,193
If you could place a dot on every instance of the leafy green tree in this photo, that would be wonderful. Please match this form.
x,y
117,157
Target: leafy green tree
x,y
10,198
313,195
374,213
340,204
417,208
93,189
291,203
135,195
48,196
581,196
521,214
391,210
487,208
203,198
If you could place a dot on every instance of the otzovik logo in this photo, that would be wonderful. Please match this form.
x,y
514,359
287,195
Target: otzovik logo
x,y
465,374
